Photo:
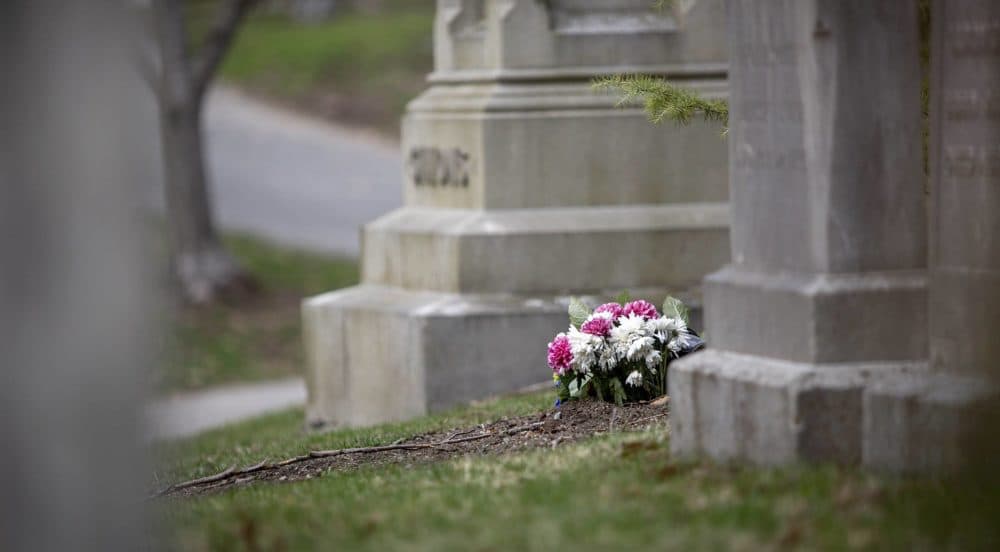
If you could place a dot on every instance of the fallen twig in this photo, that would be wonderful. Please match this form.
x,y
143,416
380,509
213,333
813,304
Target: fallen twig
x,y
231,470
264,465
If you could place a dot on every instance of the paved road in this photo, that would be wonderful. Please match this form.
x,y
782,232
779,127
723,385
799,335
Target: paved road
x,y
190,413
292,179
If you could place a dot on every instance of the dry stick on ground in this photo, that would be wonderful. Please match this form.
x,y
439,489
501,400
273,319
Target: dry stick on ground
x,y
264,465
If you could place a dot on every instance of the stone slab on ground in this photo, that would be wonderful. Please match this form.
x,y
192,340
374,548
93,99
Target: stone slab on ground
x,y
380,354
922,424
735,407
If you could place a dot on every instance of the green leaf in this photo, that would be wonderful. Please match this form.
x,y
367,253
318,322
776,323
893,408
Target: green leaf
x,y
618,390
578,312
574,388
675,308
623,297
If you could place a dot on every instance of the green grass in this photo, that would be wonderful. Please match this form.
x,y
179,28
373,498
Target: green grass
x,y
257,340
282,435
607,493
356,67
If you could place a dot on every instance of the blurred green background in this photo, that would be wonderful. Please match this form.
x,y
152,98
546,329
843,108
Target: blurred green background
x,y
358,66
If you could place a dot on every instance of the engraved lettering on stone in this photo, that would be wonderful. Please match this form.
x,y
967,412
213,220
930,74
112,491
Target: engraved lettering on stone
x,y
432,166
971,103
976,38
968,161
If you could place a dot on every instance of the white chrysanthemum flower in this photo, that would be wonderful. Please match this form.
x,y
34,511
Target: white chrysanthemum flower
x,y
664,328
608,359
674,345
630,338
586,350
634,379
653,359
640,348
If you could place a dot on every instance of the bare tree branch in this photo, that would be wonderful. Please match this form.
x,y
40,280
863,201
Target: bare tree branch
x,y
217,42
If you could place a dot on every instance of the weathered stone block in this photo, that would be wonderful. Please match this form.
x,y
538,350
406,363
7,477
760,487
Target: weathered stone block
x,y
922,424
733,407
595,250
818,318
377,354
492,146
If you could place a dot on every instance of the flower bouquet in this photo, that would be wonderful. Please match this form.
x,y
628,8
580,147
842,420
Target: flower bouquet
x,y
620,351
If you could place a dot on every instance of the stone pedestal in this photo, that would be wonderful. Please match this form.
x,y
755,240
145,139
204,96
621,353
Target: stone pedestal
x,y
523,186
826,291
917,424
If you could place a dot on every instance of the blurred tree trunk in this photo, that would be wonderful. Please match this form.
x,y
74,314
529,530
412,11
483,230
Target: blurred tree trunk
x,y
204,269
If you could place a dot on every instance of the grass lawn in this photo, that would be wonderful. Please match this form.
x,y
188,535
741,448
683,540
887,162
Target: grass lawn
x,y
617,491
257,340
359,68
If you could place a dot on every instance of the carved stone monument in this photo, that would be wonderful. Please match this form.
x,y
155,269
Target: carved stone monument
x,y
827,286
918,424
523,185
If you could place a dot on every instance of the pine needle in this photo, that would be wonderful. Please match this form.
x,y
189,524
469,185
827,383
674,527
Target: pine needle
x,y
664,101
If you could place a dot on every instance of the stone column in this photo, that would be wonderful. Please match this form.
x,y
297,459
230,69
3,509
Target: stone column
x,y
918,424
523,186
827,285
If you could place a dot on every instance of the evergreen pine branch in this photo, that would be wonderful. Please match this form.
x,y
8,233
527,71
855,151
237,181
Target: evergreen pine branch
x,y
663,100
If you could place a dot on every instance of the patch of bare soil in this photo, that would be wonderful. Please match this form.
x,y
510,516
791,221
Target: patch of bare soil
x,y
570,422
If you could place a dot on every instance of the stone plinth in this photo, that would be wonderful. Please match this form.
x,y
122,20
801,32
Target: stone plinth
x,y
826,291
915,425
524,186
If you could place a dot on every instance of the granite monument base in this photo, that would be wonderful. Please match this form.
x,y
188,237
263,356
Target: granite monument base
x,y
736,407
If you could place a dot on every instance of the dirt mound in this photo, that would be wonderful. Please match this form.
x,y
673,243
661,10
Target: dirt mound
x,y
570,422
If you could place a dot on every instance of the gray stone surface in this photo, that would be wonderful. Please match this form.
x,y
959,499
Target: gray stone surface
x,y
927,423
389,354
965,164
523,185
733,407
826,290
922,423
568,250
514,39
814,192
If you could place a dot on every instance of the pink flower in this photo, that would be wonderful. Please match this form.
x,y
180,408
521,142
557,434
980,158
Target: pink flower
x,y
597,325
641,308
614,308
560,354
